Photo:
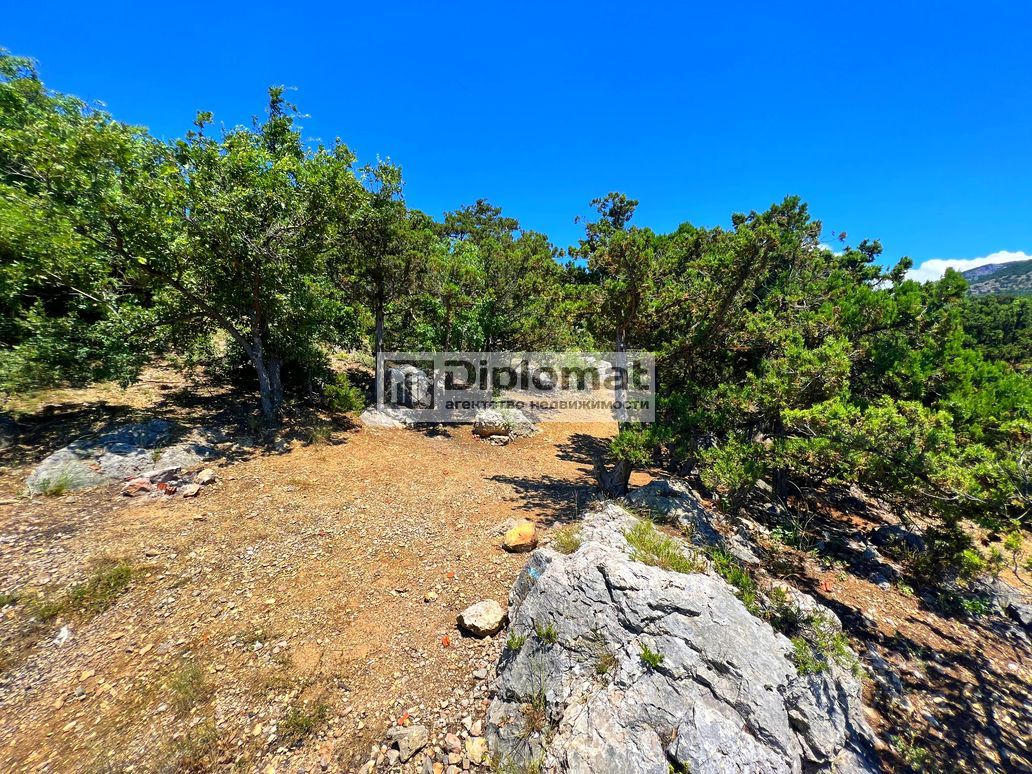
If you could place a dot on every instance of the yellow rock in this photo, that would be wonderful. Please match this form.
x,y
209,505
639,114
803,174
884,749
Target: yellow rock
x,y
476,749
521,538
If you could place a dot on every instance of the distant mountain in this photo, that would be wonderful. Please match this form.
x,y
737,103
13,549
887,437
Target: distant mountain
x,y
1000,279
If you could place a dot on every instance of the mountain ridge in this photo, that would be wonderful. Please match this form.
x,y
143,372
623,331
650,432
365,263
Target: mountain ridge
x,y
1000,279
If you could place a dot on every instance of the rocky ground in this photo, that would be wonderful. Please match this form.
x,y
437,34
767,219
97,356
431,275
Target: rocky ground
x,y
316,584
300,612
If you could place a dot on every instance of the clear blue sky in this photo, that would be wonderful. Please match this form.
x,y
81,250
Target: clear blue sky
x,y
908,122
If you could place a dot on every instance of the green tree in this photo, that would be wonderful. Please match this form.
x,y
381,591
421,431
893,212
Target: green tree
x,y
170,241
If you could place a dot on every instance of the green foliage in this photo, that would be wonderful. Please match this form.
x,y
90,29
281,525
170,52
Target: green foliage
x,y
651,658
820,643
806,661
157,246
914,756
196,750
634,445
737,576
652,547
547,633
781,611
301,721
605,661
566,539
108,579
56,485
1000,328
341,395
188,687
249,249
515,642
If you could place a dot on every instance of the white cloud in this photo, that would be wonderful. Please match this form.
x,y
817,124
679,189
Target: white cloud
x,y
934,268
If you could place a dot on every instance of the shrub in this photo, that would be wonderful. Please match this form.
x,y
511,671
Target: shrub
x,y
301,722
737,576
341,395
806,661
650,546
567,539
188,687
782,613
196,750
535,715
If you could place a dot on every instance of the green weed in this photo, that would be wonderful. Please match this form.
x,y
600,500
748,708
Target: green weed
x,y
547,633
301,722
650,546
651,658
567,539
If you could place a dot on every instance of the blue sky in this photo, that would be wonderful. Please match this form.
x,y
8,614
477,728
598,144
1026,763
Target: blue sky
x,y
907,122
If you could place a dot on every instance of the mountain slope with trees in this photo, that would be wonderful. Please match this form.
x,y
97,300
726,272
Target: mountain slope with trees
x,y
1000,279
781,363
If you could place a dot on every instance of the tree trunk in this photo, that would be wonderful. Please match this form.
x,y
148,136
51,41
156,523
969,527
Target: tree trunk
x,y
257,354
276,382
378,352
264,387
615,481
620,366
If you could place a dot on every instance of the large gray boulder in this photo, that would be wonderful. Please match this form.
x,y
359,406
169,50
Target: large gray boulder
x,y
578,696
130,451
409,387
490,423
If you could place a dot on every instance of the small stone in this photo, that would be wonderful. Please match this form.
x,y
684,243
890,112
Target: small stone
x,y
482,619
205,477
477,729
409,740
452,743
137,486
521,538
476,749
430,596
191,490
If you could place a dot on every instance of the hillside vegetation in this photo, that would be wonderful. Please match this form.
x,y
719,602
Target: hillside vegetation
x,y
841,463
253,254
1002,279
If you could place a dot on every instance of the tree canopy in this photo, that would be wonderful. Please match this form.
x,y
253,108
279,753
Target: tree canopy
x,y
780,360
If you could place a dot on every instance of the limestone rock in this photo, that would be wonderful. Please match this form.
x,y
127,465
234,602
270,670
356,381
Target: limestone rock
x,y
476,749
389,417
205,477
119,454
409,740
489,422
505,422
725,698
482,619
521,538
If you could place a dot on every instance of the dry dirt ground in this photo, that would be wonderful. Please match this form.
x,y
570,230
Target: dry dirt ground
x,y
305,603
317,582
